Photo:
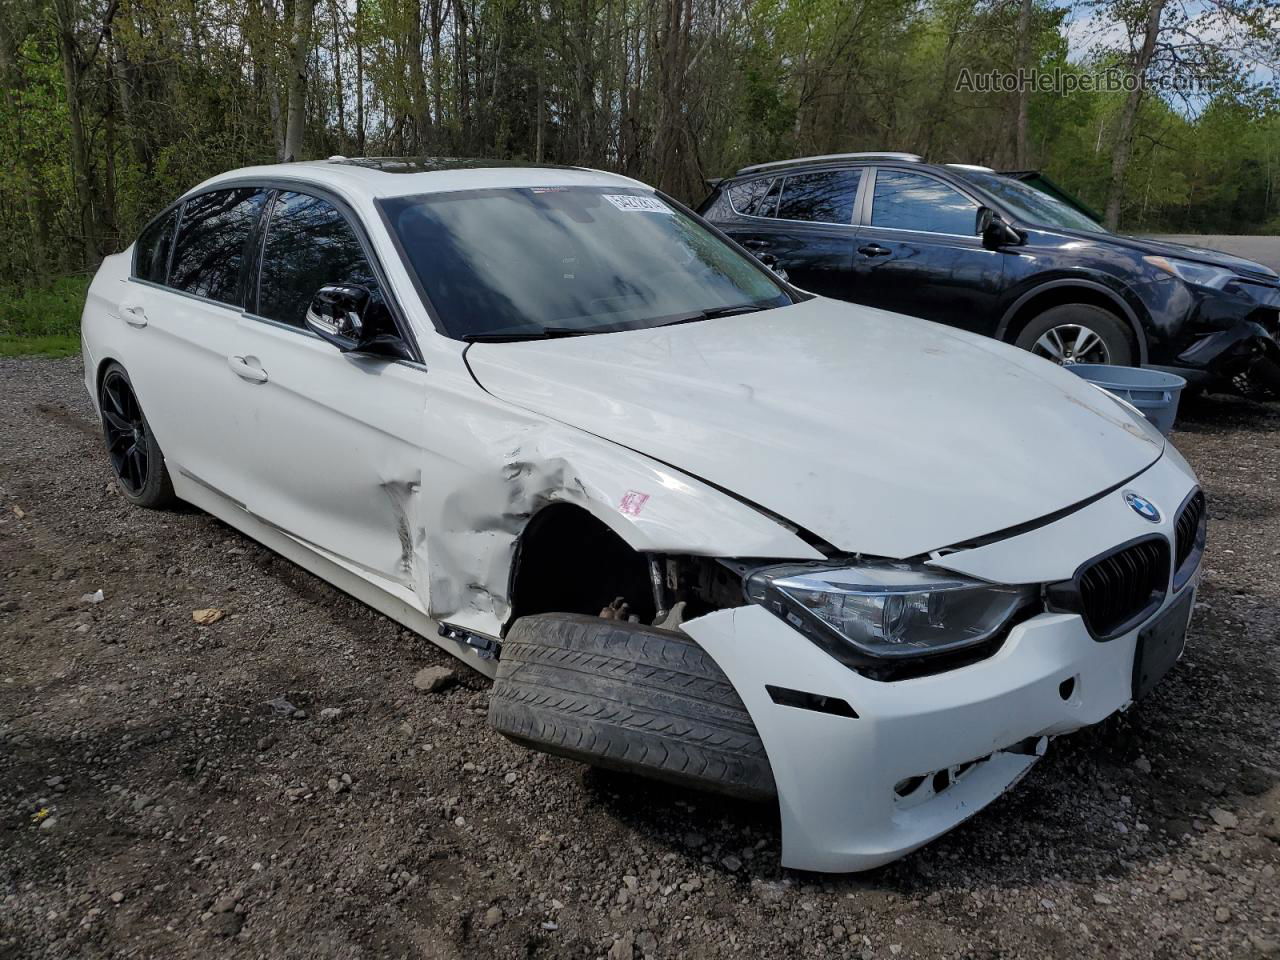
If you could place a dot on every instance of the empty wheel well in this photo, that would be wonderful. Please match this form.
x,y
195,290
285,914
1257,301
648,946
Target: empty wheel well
x,y
102,372
1059,296
567,561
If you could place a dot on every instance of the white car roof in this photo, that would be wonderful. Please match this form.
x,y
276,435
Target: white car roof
x,y
375,177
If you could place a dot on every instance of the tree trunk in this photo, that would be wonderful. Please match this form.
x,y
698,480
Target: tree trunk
x,y
303,14
14,83
435,13
1123,148
419,96
359,35
338,93
1020,159
65,12
261,36
462,71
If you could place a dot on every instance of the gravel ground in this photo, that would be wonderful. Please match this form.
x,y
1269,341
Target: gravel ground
x,y
159,797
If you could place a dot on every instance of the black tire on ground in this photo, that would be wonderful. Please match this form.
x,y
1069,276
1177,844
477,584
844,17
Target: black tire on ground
x,y
1113,331
1265,372
156,491
628,697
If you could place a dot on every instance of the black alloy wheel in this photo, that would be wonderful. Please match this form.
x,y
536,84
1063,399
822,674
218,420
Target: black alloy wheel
x,y
126,433
135,456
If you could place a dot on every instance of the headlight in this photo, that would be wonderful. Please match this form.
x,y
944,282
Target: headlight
x,y
1200,274
887,610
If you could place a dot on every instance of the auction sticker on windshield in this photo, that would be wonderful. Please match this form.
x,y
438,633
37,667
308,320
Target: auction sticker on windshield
x,y
633,204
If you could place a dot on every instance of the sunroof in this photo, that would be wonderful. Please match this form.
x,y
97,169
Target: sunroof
x,y
437,164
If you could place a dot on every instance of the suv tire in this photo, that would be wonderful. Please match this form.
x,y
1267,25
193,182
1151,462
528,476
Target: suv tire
x,y
1065,327
628,697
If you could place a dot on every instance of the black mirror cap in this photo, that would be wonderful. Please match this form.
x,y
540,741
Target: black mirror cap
x,y
995,231
337,314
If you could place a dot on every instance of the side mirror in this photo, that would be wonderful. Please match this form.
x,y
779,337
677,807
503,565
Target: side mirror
x,y
995,232
336,314
770,261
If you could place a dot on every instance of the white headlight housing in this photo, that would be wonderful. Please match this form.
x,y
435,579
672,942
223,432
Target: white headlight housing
x,y
885,610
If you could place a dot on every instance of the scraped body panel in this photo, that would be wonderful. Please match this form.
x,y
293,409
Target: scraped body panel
x,y
880,433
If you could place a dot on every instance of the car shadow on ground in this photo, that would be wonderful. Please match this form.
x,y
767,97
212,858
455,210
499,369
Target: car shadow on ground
x,y
1202,413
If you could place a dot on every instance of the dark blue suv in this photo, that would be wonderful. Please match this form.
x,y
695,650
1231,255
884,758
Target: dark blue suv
x,y
972,248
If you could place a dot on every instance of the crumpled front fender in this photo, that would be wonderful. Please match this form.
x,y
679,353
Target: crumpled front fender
x,y
506,464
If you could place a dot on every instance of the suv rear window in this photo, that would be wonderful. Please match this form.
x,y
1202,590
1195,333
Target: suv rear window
x,y
212,234
821,197
748,198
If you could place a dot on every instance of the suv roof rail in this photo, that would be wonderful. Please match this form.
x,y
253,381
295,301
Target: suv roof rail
x,y
867,155
976,167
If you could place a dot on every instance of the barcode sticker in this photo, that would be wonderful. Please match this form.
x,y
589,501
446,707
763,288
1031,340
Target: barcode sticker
x,y
633,204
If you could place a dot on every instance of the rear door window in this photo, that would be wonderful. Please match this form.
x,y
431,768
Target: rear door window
x,y
911,201
213,235
821,197
309,245
747,197
151,253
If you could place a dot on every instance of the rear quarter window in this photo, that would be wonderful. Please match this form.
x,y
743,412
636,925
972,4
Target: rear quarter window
x,y
151,253
749,198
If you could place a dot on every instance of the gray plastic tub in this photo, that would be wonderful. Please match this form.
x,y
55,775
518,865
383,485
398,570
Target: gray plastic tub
x,y
1154,392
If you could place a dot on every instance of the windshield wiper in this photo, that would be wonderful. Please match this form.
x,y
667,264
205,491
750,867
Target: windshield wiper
x,y
714,313
538,333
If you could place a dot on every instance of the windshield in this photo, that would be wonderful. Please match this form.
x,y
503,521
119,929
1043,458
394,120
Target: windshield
x,y
1032,206
570,260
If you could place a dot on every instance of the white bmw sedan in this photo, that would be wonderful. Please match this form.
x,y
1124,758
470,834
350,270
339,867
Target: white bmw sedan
x,y
695,522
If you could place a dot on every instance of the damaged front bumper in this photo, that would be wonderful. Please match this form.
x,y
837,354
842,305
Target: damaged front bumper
x,y
1208,334
919,756
1225,353
868,770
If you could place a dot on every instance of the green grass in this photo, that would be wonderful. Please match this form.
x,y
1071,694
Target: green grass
x,y
52,345
42,320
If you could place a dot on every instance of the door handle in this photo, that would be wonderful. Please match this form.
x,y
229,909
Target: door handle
x,y
134,315
245,370
756,244
874,250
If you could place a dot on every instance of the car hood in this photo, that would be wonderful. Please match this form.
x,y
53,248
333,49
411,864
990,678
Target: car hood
x,y
879,433
1215,258
1168,248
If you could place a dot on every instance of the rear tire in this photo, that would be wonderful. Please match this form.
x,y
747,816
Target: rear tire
x,y
628,697
136,458
1079,333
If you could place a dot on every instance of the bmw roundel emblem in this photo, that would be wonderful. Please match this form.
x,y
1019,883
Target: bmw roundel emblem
x,y
1142,506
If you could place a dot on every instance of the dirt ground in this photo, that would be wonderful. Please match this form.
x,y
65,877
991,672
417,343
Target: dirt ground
x,y
159,798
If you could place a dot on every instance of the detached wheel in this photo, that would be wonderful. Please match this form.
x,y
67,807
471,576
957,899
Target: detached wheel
x,y
628,697
131,446
1079,333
